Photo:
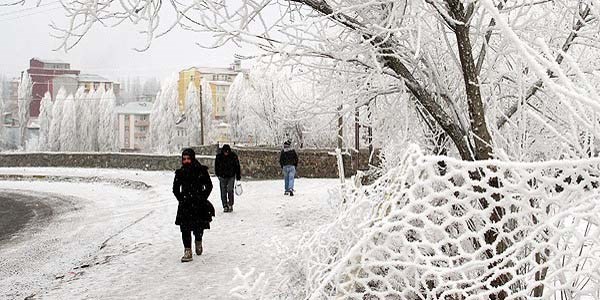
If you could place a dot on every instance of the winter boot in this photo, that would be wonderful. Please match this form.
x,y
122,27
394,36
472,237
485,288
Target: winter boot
x,y
231,208
286,193
199,248
225,209
291,193
187,255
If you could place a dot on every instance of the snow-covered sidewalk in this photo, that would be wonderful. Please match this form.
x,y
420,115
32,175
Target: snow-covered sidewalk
x,y
118,242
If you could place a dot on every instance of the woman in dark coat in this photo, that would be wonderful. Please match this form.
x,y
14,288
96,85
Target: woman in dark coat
x,y
191,187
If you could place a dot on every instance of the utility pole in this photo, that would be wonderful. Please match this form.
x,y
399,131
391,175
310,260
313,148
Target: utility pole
x,y
370,128
356,135
340,138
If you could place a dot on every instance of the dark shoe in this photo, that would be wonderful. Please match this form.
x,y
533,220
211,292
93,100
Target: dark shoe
x,y
187,255
291,193
199,248
286,193
231,209
225,209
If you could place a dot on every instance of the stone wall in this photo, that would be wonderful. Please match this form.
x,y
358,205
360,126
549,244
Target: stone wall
x,y
255,163
264,163
94,160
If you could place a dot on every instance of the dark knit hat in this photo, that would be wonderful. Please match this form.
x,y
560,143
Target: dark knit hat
x,y
189,152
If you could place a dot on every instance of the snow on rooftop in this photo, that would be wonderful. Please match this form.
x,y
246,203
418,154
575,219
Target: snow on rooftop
x,y
50,61
135,108
211,70
92,78
74,76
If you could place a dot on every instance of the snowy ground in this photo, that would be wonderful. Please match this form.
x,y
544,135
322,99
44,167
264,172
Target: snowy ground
x,y
108,240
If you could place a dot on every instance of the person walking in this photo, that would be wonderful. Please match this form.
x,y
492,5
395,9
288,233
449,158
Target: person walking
x,y
227,169
191,187
288,160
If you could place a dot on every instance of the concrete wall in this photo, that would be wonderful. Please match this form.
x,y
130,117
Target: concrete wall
x,y
255,163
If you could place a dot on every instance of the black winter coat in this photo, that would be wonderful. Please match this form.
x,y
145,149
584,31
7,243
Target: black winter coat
x,y
191,187
227,166
288,158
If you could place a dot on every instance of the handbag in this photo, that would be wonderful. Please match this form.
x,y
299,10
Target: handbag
x,y
238,188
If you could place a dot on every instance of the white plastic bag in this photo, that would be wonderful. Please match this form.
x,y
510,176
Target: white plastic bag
x,y
238,188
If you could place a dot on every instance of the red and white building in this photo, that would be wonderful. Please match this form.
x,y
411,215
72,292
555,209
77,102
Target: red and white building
x,y
42,73
50,75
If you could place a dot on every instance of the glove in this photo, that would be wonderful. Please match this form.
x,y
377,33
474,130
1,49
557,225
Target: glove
x,y
238,178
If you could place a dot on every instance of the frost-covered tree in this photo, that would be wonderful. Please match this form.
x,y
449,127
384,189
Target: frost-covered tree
x,y
92,114
267,107
55,122
208,121
256,109
155,122
192,113
45,120
107,124
464,64
24,99
165,114
68,126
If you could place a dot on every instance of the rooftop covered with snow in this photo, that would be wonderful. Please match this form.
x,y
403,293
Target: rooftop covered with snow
x,y
135,108
93,78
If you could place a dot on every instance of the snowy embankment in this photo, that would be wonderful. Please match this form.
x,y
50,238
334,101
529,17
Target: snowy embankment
x,y
119,241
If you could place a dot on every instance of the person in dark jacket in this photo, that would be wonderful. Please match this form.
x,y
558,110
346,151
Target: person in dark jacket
x,y
191,187
227,169
288,160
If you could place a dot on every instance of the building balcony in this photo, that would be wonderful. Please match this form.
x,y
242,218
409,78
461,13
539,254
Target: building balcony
x,y
142,123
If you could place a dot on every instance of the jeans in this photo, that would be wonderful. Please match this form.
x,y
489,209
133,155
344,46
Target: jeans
x,y
186,237
226,185
289,171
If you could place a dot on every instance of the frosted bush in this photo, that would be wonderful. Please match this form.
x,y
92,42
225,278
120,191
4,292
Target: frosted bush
x,y
439,228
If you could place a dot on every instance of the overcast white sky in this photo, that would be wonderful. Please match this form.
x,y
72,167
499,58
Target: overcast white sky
x,y
24,33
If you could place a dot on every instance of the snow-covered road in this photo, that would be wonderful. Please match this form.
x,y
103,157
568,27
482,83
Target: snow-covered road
x,y
112,242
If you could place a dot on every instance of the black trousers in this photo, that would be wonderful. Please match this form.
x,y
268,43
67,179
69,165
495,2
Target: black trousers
x,y
226,185
186,236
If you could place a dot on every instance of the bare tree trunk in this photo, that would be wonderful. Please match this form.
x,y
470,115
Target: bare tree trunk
x,y
481,139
